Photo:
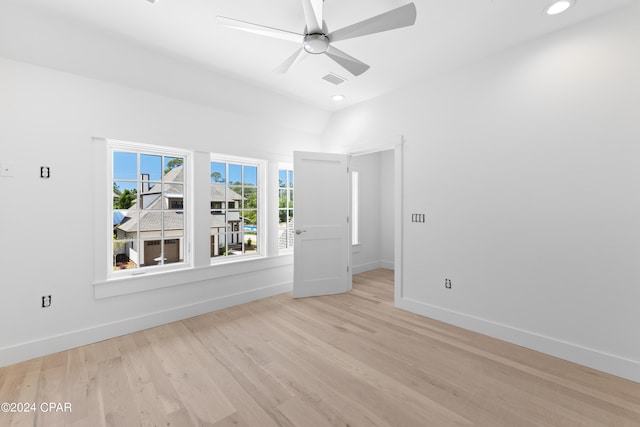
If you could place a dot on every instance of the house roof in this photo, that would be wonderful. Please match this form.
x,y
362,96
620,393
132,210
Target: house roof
x,y
173,220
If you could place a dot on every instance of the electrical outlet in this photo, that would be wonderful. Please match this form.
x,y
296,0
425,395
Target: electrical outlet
x,y
5,170
45,172
46,301
447,283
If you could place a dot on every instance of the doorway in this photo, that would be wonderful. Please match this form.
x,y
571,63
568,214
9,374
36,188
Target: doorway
x,y
389,234
389,189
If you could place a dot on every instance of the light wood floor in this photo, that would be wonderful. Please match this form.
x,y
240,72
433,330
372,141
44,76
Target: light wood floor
x,y
345,360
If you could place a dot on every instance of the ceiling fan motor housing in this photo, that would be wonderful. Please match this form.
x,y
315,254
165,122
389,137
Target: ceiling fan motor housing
x,y
316,43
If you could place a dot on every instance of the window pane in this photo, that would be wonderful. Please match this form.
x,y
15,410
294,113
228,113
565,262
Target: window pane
x,y
122,229
151,195
218,195
125,165
150,224
290,179
174,196
234,194
172,251
250,175
234,242
235,174
121,258
173,222
250,243
250,219
151,252
151,167
173,170
124,194
250,199
218,245
233,220
127,228
218,172
282,178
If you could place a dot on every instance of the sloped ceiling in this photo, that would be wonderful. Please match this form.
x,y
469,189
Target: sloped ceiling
x,y
447,34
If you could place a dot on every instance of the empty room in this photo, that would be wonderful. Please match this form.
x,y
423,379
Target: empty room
x,y
320,213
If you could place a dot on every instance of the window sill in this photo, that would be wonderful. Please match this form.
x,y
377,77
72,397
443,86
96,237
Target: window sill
x,y
158,280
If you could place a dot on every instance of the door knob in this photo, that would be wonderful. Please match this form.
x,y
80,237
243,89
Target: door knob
x,y
298,231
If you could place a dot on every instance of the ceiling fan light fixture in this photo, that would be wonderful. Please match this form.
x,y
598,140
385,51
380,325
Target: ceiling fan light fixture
x,y
316,43
558,7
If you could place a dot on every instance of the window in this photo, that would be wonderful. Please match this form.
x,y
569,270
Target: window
x,y
149,209
355,239
285,209
235,218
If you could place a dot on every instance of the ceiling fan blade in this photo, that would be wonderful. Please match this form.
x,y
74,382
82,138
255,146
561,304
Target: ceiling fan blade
x,y
348,62
313,15
260,29
297,56
402,16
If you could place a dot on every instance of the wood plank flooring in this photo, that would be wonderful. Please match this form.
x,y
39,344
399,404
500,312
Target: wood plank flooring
x,y
343,360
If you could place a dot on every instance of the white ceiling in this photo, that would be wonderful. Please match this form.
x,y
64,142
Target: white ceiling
x,y
447,34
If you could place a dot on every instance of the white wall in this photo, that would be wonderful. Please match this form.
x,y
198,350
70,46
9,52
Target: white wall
x,y
47,226
526,165
376,236
366,254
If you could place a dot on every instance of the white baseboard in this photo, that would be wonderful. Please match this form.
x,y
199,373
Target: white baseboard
x,y
361,268
389,265
53,344
609,363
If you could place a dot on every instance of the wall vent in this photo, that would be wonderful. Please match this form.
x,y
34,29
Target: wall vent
x,y
334,78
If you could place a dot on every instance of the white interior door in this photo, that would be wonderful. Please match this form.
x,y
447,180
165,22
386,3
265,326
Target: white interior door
x,y
322,243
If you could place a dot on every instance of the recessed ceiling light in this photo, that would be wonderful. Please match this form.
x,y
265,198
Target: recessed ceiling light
x,y
337,97
558,7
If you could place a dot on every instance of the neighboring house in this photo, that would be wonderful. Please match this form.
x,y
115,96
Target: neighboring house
x,y
160,206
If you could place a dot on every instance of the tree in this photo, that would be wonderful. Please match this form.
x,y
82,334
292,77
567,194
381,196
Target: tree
x,y
216,177
173,163
126,199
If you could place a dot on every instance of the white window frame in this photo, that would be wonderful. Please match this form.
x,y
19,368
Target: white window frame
x,y
261,233
199,267
116,145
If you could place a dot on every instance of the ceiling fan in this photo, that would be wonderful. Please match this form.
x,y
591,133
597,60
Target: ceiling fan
x,y
317,40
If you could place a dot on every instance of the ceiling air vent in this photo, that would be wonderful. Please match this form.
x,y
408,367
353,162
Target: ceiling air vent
x,y
334,78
